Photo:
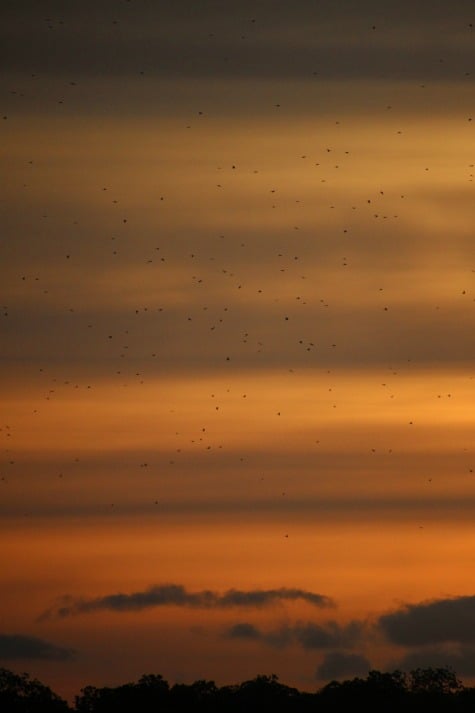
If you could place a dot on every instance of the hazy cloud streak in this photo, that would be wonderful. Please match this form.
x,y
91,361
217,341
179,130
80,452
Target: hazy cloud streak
x,y
177,595
309,635
243,41
19,646
460,658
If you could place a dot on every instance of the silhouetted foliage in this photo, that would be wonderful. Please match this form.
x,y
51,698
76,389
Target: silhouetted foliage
x,y
21,694
434,681
260,693
435,689
200,696
428,690
378,689
149,694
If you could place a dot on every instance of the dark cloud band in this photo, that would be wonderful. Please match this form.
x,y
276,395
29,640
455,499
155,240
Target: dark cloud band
x,y
246,41
177,595
442,620
308,635
18,646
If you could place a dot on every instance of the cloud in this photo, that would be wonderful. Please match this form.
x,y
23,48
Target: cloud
x,y
375,336
433,622
315,636
435,633
337,664
177,595
257,597
309,635
243,630
459,658
278,638
18,646
245,41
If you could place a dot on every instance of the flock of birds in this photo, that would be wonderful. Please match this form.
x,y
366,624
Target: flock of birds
x,y
148,340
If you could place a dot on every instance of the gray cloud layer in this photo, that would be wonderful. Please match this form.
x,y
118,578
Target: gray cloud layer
x,y
18,646
442,620
424,627
365,337
440,633
363,39
309,635
437,633
338,664
177,595
461,659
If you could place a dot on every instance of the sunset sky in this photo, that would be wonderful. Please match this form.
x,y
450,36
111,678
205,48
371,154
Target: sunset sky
x,y
237,268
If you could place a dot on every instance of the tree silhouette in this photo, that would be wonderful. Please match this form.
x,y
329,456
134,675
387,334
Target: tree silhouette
x,y
434,681
21,694
200,697
148,695
435,689
260,693
422,690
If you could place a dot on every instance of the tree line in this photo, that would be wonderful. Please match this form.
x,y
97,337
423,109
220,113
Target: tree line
x,y
423,689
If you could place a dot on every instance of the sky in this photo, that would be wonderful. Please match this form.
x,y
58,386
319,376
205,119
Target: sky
x,y
237,272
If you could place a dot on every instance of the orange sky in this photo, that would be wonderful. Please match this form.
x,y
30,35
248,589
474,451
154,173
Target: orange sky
x,y
238,310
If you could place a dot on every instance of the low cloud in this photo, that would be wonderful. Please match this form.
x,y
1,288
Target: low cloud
x,y
460,658
330,634
337,664
244,630
434,622
307,635
177,595
257,597
436,633
19,646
